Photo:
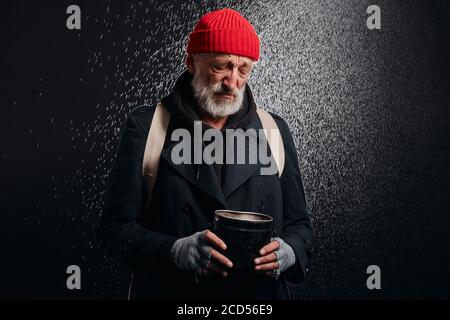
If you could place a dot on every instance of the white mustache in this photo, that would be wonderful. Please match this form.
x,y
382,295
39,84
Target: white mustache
x,y
222,89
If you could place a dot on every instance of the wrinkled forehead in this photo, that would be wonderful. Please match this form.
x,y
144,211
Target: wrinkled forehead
x,y
223,58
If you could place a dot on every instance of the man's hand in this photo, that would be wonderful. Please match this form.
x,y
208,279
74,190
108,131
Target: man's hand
x,y
195,253
268,260
276,257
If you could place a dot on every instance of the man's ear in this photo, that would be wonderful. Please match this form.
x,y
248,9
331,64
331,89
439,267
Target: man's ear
x,y
190,63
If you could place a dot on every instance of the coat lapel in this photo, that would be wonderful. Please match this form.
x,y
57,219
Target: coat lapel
x,y
202,176
235,174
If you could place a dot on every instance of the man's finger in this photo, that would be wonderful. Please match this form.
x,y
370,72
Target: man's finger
x,y
205,272
204,259
271,247
214,239
216,269
268,266
221,258
271,257
265,273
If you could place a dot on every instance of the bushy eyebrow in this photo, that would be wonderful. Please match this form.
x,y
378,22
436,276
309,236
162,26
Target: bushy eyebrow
x,y
219,61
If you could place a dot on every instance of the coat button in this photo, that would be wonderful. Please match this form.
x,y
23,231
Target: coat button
x,y
188,208
260,205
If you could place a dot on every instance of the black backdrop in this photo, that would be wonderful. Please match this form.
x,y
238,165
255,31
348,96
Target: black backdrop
x,y
377,182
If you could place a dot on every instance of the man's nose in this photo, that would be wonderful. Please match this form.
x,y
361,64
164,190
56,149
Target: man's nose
x,y
231,80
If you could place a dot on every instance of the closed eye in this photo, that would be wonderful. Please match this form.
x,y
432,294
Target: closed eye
x,y
219,67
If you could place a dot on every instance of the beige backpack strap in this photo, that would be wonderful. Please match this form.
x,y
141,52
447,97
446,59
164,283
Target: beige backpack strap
x,y
154,145
274,138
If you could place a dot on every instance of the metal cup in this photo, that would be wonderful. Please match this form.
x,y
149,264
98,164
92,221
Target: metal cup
x,y
244,233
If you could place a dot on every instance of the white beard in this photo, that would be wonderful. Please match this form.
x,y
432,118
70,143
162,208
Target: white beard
x,y
205,98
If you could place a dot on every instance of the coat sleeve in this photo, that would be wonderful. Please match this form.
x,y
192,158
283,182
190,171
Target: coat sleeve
x,y
119,233
297,229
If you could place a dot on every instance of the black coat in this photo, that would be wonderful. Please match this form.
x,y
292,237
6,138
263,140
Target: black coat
x,y
141,232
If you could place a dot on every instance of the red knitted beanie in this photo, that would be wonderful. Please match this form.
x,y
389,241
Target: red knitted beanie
x,y
224,31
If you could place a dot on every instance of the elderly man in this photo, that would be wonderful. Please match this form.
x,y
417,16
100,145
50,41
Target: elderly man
x,y
166,238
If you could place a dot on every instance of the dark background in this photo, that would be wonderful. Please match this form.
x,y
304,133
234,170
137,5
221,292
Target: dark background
x,y
369,111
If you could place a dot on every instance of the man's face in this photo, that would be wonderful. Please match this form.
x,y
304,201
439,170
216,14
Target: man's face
x,y
219,81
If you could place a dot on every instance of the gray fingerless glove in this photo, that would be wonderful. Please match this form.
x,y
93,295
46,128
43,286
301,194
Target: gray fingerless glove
x,y
285,255
191,253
